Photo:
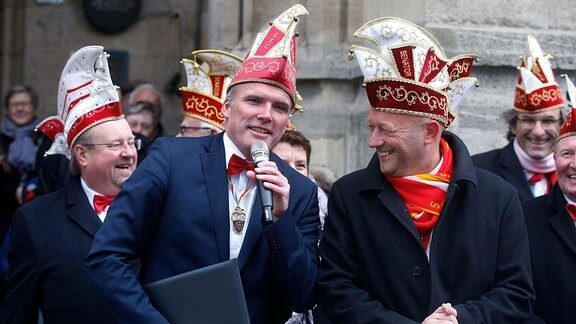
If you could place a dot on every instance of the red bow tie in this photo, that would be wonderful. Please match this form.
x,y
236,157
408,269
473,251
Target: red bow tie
x,y
238,164
101,202
571,211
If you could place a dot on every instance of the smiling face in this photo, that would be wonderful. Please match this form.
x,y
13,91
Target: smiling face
x,y
536,132
257,111
104,169
20,109
565,159
402,143
294,155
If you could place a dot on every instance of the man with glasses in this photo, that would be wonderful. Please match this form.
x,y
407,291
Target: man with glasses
x,y
533,126
193,127
53,233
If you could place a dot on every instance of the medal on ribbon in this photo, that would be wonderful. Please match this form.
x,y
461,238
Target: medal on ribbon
x,y
238,220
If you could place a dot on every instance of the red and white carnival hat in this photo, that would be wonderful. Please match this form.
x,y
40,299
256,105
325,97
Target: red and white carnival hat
x,y
272,58
86,98
569,126
208,75
407,71
536,89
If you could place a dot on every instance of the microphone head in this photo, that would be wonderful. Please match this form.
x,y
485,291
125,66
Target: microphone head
x,y
259,152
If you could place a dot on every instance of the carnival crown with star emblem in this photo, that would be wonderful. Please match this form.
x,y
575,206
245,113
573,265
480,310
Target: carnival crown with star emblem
x,y
407,72
207,81
272,59
86,97
536,89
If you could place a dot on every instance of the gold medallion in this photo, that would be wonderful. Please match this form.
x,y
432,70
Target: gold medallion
x,y
238,220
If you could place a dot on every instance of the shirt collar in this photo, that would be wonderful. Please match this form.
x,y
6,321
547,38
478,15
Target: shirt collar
x,y
89,192
230,148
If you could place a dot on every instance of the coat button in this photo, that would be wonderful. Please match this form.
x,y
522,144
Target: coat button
x,y
275,246
416,271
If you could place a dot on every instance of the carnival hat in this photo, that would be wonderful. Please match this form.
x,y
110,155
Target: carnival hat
x,y
569,126
86,98
407,71
272,59
536,89
207,81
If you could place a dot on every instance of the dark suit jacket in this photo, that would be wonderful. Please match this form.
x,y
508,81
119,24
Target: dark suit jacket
x,y
374,268
51,238
505,163
173,214
552,237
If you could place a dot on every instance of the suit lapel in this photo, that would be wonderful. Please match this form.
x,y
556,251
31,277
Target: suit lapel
x,y
253,232
388,196
564,226
214,165
79,209
515,172
562,222
398,209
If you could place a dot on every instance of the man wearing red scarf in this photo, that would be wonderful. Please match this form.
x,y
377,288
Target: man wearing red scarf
x,y
550,220
420,234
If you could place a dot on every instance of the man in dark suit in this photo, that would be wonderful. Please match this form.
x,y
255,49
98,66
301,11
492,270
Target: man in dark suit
x,y
421,235
550,220
533,125
187,207
53,233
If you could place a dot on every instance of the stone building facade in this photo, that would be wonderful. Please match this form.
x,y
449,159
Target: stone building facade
x,y
37,37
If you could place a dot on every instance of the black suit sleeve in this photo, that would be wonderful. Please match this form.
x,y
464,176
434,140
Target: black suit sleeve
x,y
23,292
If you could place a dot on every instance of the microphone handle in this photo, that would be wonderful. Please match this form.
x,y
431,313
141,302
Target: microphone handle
x,y
266,202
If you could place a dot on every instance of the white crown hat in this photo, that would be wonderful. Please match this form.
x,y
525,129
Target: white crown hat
x,y
86,97
407,72
536,88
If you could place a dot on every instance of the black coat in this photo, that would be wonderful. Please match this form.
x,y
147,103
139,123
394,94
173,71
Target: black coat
x,y
504,163
374,269
51,238
552,236
9,180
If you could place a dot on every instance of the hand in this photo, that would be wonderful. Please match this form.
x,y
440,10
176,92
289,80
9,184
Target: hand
x,y
443,314
276,182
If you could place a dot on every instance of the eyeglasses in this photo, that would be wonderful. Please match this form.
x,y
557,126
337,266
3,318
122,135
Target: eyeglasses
x,y
117,146
546,122
190,129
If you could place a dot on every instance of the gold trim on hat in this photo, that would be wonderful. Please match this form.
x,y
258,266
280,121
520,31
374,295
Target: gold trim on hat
x,y
445,122
567,134
204,119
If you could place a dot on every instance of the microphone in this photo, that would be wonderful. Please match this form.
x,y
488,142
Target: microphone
x,y
259,152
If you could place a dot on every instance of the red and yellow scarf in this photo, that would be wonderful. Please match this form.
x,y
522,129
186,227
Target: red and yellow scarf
x,y
424,194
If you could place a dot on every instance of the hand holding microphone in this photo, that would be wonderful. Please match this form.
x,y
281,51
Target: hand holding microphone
x,y
269,180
